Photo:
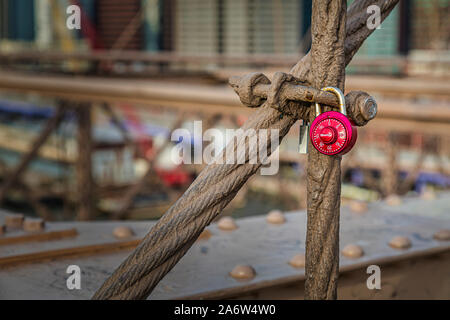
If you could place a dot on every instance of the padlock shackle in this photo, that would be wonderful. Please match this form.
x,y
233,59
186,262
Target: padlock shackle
x,y
340,96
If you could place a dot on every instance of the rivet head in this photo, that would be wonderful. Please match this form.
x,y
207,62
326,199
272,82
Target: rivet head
x,y
298,261
227,223
243,272
352,251
358,206
14,221
393,200
428,195
275,217
33,225
205,235
442,235
400,242
123,232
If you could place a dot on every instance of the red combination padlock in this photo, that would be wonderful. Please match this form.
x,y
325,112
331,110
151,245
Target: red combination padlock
x,y
332,132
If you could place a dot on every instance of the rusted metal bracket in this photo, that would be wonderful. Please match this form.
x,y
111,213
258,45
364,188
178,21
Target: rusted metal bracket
x,y
254,88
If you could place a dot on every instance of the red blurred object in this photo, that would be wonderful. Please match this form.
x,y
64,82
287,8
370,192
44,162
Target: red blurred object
x,y
171,177
174,177
88,29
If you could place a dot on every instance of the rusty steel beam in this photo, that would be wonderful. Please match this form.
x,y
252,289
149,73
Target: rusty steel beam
x,y
174,57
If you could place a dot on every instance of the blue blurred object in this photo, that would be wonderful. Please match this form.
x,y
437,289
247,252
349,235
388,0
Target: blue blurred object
x,y
437,179
357,177
25,109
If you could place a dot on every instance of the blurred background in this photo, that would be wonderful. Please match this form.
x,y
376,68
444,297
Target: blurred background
x,y
86,114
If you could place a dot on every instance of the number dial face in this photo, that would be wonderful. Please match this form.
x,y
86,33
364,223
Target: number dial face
x,y
330,133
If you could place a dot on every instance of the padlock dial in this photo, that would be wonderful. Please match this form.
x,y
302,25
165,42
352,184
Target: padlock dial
x,y
332,133
328,134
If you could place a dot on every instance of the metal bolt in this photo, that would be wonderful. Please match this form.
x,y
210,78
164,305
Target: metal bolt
x,y
393,200
275,217
227,223
358,206
442,235
123,232
33,225
400,242
298,261
205,235
352,251
428,195
243,272
14,221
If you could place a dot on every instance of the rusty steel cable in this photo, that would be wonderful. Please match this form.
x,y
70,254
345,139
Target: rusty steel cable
x,y
176,231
